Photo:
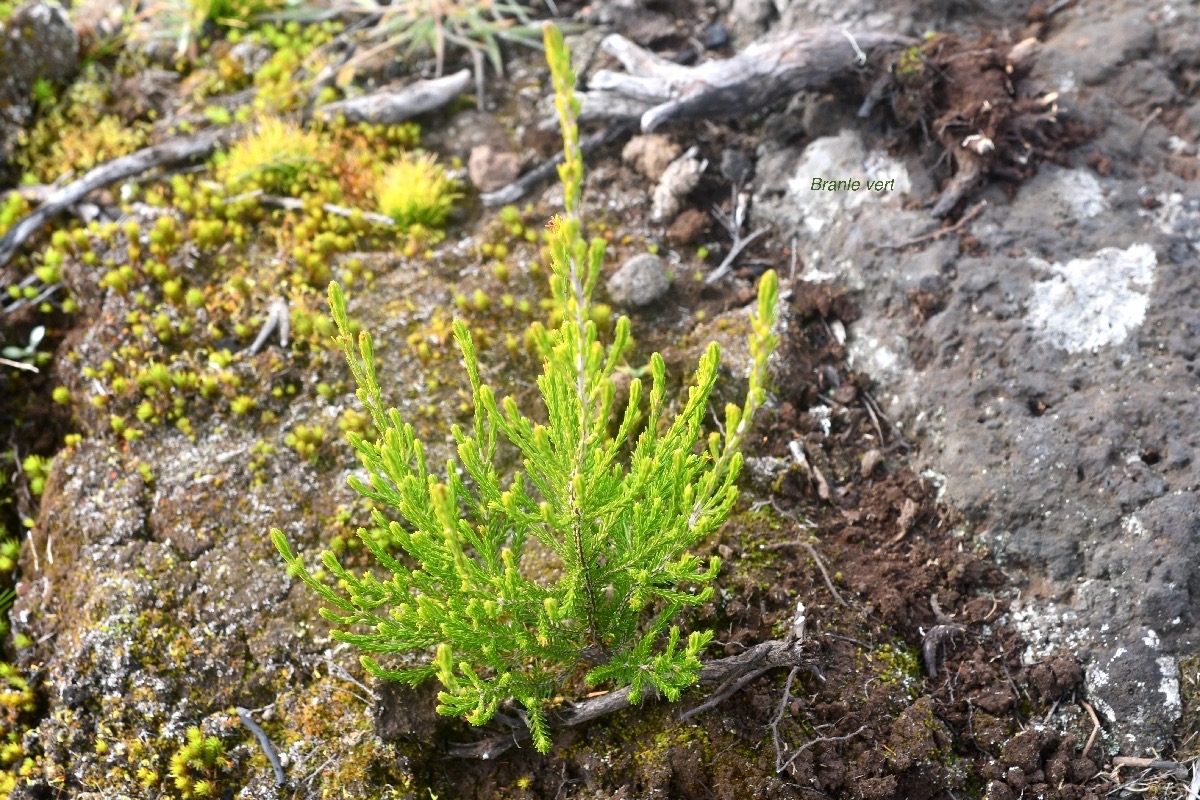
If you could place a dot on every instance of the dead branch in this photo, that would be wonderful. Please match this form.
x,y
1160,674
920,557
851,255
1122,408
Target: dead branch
x,y
757,659
657,90
159,155
389,106
725,691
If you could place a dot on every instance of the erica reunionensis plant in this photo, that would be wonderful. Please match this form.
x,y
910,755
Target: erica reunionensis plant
x,y
618,512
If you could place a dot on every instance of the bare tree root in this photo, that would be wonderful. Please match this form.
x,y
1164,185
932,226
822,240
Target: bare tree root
x,y
390,106
725,672
983,115
159,155
657,90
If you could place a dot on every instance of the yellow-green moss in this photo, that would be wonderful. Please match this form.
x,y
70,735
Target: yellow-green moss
x,y
415,190
279,157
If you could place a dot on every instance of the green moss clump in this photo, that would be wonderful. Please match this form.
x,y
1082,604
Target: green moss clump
x,y
196,766
306,440
37,470
416,191
17,702
278,158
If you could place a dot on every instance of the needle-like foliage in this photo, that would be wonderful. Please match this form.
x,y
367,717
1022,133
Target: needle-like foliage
x,y
618,512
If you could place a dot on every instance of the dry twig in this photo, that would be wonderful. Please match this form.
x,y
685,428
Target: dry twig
x,y
159,155
733,226
547,169
761,657
1149,763
723,693
296,204
779,712
278,319
812,551
656,90
1087,748
820,740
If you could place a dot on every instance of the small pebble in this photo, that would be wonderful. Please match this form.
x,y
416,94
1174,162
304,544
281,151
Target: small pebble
x,y
870,461
650,154
491,169
735,167
640,281
715,36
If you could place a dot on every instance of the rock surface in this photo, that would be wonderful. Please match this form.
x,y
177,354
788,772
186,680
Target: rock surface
x,y
37,41
1049,390
491,169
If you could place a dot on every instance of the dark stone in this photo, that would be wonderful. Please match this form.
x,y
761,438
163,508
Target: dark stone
x,y
1136,685
1026,748
997,790
736,167
1083,770
715,36
403,712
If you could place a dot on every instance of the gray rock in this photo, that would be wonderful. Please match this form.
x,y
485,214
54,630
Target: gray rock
x,y
37,41
640,281
1136,687
1052,397
736,167
1074,56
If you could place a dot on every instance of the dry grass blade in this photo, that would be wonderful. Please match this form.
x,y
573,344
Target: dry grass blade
x,y
472,26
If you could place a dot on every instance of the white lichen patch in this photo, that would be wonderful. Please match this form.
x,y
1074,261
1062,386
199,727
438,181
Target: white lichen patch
x,y
1096,680
822,417
1094,302
1173,214
878,352
1109,681
1071,193
1133,527
1169,686
1047,627
841,158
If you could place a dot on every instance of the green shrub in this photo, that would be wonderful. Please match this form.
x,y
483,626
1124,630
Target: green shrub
x,y
618,513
